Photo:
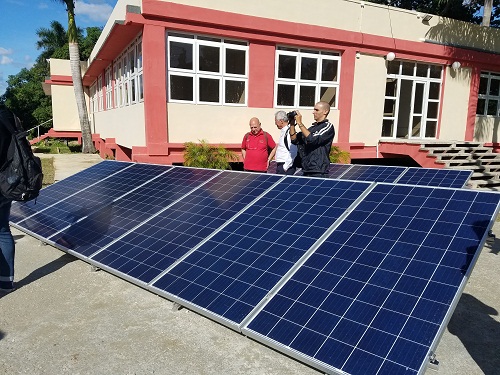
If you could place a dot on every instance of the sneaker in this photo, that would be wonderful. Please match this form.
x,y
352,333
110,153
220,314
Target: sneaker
x,y
7,290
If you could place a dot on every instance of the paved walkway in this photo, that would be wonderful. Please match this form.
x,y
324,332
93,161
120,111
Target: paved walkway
x,y
66,165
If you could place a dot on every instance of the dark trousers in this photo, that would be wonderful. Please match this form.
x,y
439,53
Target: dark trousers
x,y
6,248
280,170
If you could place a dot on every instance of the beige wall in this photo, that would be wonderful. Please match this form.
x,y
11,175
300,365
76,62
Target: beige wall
x,y
368,100
125,124
455,102
204,122
64,111
360,16
60,67
487,129
118,14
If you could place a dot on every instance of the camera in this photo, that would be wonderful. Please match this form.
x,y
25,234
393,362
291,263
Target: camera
x,y
291,116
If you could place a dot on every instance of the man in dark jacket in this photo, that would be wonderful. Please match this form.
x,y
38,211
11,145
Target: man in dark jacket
x,y
6,239
314,143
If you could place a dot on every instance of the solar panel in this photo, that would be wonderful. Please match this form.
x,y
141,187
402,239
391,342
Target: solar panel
x,y
374,297
347,276
122,214
148,250
230,273
334,170
62,189
67,212
375,173
435,177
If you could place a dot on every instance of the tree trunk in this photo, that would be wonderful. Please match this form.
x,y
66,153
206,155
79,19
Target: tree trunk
x,y
76,74
488,6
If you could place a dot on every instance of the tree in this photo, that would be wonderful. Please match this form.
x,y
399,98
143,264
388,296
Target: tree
x,y
468,11
25,97
76,74
50,40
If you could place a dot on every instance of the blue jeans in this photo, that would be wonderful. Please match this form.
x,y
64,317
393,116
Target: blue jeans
x,y
6,247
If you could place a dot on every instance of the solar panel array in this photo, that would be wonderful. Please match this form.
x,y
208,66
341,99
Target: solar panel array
x,y
412,176
348,276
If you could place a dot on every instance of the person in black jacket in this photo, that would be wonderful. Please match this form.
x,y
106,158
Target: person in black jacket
x,y
6,239
314,143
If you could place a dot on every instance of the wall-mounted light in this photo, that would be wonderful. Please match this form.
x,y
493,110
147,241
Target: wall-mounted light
x,y
390,56
456,65
358,55
426,17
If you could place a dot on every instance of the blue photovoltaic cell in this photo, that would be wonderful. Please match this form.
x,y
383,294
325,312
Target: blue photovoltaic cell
x,y
232,272
151,248
375,173
452,178
334,170
372,297
61,190
121,215
67,212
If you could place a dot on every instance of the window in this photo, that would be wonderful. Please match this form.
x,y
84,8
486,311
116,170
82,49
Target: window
x,y
109,88
412,99
93,98
127,72
207,70
304,77
488,102
100,102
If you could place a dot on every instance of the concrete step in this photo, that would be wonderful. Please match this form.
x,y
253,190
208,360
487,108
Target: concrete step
x,y
442,150
469,156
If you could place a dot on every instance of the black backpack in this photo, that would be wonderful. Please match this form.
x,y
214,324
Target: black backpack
x,y
21,172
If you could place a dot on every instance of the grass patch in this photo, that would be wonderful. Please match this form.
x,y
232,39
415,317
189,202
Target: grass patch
x,y
57,146
49,171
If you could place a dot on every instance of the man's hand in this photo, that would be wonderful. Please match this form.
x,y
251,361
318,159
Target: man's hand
x,y
298,118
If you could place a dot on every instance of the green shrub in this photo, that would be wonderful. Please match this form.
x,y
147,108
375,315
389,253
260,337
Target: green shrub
x,y
204,155
337,155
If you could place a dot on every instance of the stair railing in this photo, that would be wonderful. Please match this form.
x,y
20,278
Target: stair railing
x,y
37,127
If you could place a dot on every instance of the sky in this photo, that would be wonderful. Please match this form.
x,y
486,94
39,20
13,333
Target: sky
x,y
20,19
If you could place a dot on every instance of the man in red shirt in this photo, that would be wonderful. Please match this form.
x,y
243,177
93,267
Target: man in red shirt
x,y
258,148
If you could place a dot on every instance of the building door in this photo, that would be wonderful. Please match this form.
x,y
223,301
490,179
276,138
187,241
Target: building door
x,y
412,98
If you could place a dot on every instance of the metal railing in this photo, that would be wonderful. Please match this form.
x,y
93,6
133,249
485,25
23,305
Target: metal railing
x,y
38,128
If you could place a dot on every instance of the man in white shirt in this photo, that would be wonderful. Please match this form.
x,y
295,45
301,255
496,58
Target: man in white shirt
x,y
285,150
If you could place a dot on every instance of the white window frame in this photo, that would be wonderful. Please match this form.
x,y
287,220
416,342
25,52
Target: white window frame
x,y
128,75
298,82
100,99
109,87
490,76
93,105
196,73
415,79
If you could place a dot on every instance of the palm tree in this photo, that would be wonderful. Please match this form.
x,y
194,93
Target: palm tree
x,y
488,7
50,40
76,74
